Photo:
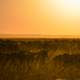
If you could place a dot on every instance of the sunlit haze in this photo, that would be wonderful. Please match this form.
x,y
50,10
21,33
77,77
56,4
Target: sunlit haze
x,y
43,17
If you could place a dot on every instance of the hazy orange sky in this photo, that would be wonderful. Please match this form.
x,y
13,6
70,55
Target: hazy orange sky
x,y
44,17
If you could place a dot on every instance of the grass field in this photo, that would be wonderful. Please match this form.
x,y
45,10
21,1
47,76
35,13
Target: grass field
x,y
42,59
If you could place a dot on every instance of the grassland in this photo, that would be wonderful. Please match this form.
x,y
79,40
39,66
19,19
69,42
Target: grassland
x,y
40,59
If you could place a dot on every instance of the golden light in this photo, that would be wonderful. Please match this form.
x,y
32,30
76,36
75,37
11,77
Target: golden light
x,y
52,7
61,7
72,7
44,17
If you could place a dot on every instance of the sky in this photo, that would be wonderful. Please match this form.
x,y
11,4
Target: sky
x,y
40,17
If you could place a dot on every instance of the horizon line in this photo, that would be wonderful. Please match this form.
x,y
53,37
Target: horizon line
x,y
37,36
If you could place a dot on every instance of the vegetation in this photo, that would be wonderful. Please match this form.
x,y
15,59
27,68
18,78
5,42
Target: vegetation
x,y
30,60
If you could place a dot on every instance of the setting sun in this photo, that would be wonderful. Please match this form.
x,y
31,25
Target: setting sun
x,y
72,7
62,7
